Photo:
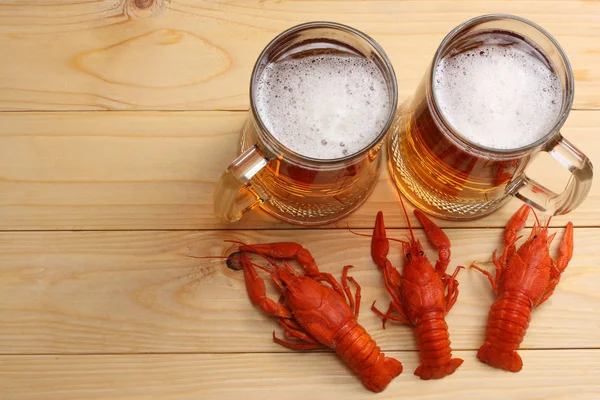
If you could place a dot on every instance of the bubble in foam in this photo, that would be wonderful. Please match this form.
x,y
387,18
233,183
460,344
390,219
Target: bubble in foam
x,y
338,106
501,97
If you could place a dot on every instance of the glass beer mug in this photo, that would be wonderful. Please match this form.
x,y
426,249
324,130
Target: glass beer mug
x,y
321,79
497,93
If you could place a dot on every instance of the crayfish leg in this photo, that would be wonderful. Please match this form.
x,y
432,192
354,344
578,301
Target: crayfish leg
x,y
354,303
294,331
500,264
489,276
327,277
297,346
402,318
452,285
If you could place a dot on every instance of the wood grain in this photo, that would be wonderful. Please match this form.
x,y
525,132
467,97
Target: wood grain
x,y
140,292
546,375
115,305
158,170
198,55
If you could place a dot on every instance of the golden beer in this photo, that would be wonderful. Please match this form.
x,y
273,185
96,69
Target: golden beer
x,y
497,92
323,96
437,174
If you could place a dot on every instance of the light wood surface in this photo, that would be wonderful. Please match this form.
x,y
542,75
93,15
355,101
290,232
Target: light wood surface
x,y
115,124
198,55
550,374
158,170
143,292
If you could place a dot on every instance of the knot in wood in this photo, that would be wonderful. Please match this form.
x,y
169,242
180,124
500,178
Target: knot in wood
x,y
234,262
143,4
144,8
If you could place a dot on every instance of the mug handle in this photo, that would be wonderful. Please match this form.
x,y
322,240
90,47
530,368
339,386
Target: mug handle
x,y
235,195
578,187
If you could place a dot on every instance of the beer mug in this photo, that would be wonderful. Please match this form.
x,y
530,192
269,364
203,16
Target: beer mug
x,y
322,97
496,94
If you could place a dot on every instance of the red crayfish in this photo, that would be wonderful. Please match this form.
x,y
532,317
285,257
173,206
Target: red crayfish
x,y
318,316
421,296
525,278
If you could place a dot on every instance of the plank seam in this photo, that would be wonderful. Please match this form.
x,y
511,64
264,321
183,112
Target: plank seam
x,y
267,352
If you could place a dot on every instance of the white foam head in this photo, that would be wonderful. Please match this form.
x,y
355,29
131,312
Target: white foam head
x,y
497,96
323,106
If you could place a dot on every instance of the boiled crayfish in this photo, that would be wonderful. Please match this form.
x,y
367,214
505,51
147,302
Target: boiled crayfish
x,y
525,278
318,316
421,296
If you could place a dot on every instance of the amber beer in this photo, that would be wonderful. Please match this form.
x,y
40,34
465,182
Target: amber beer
x,y
323,104
322,97
489,98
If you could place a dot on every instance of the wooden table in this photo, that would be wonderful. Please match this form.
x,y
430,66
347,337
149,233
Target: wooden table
x,y
118,118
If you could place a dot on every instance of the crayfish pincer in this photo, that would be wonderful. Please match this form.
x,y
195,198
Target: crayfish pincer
x,y
315,315
525,278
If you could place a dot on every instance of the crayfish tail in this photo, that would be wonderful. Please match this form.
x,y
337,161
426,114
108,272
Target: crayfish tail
x,y
508,361
381,374
507,323
435,352
360,352
427,372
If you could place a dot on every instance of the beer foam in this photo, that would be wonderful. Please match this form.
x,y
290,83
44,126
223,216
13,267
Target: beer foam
x,y
498,96
323,106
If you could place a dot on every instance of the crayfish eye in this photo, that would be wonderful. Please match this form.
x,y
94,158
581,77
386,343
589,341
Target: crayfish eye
x,y
535,236
421,252
408,256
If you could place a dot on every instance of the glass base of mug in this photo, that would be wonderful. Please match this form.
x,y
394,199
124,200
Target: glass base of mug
x,y
429,200
312,215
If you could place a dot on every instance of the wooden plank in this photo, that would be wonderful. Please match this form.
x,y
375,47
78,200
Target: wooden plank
x,y
547,374
198,55
158,170
139,292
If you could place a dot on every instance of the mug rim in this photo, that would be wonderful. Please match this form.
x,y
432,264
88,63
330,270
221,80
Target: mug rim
x,y
569,86
263,130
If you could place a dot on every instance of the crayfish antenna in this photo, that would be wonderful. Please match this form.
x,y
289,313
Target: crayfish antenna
x,y
238,242
207,257
218,257
412,237
374,236
537,220
357,233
